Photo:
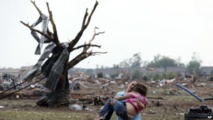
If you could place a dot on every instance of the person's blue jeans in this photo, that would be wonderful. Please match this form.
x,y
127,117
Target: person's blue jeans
x,y
110,111
119,107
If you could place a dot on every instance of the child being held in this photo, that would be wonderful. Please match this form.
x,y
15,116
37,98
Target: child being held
x,y
126,106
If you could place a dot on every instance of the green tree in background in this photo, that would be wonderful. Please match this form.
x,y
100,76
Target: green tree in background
x,y
162,62
193,66
179,63
133,62
125,63
136,60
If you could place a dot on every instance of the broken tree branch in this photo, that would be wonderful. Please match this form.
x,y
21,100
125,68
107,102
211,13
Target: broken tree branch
x,y
95,34
78,59
81,57
39,11
85,17
55,34
99,53
90,16
31,28
80,33
85,45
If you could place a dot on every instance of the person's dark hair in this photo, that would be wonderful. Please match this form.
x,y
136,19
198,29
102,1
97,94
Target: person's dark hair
x,y
141,89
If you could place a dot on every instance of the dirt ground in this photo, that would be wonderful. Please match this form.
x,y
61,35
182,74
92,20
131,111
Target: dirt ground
x,y
165,103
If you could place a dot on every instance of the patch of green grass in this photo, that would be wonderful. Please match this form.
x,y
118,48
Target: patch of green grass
x,y
35,115
41,115
17,102
163,117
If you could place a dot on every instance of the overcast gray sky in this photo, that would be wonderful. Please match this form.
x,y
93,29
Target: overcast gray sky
x,y
173,28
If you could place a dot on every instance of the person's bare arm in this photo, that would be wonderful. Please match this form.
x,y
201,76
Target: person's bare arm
x,y
126,96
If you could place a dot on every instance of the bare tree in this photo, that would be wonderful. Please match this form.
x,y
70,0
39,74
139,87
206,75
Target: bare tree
x,y
54,63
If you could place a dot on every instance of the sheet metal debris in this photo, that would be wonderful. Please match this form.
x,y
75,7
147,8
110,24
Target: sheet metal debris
x,y
190,92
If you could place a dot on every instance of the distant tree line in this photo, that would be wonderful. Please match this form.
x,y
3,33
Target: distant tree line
x,y
159,61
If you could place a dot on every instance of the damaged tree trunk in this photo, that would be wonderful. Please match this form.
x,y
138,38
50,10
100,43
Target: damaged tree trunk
x,y
54,63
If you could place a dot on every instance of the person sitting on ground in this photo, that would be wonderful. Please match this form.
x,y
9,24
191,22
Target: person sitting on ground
x,y
122,93
126,106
